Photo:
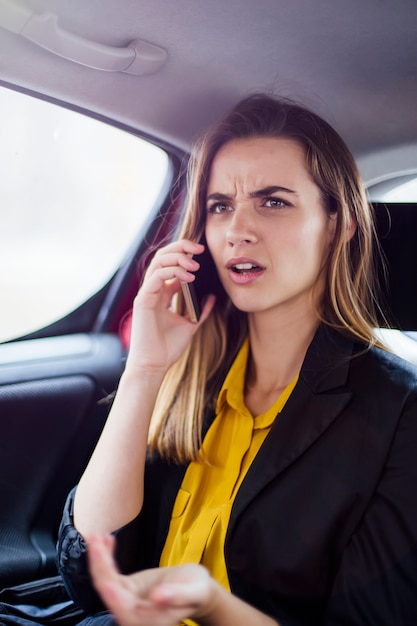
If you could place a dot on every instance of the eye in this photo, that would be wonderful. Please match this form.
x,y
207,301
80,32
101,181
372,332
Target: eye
x,y
218,207
275,203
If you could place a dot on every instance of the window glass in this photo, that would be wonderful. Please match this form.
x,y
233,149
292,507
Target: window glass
x,y
404,192
400,188
74,194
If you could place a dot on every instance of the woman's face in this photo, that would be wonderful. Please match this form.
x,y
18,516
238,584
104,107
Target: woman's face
x,y
266,228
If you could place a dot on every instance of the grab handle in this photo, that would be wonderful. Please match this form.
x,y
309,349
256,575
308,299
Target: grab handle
x,y
139,57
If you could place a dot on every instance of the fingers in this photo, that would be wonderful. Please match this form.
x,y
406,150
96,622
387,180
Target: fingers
x,y
173,261
187,594
178,253
182,245
100,559
118,593
170,266
160,596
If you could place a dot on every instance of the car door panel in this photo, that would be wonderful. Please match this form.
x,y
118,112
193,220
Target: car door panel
x,y
54,399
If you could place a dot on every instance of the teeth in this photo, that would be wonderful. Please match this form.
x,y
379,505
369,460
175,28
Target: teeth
x,y
244,266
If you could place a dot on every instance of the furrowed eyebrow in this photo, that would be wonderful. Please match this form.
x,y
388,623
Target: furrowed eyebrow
x,y
219,197
259,193
267,191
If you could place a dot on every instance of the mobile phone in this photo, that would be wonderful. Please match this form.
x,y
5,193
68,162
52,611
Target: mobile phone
x,y
191,301
206,282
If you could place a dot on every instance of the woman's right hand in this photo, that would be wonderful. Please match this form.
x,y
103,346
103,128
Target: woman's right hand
x,y
159,335
110,492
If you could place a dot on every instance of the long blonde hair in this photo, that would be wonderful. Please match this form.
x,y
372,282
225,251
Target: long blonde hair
x,y
349,301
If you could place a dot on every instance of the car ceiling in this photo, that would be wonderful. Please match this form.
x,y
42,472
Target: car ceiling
x,y
354,62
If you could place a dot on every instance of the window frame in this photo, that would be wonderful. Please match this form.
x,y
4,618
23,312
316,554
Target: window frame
x,y
106,309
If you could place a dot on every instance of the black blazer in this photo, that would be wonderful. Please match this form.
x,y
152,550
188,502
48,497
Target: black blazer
x,y
324,527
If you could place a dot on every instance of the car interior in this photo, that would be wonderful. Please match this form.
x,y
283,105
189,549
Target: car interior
x,y
158,73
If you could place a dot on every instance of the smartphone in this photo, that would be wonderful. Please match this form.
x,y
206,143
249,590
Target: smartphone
x,y
206,282
191,301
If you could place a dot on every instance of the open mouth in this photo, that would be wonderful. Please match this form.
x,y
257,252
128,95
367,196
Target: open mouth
x,y
246,268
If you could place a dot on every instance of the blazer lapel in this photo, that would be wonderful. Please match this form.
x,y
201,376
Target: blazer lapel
x,y
318,398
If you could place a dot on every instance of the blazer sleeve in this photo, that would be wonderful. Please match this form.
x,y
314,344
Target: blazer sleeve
x,y
376,582
72,557
138,544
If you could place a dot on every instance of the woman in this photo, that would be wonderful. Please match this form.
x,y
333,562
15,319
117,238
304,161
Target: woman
x,y
262,459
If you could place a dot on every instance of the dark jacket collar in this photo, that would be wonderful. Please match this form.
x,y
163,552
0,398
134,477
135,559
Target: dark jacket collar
x,y
326,364
317,400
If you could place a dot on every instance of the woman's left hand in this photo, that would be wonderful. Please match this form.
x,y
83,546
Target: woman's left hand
x,y
154,597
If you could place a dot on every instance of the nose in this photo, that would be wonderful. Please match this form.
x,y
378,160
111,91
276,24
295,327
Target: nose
x,y
241,228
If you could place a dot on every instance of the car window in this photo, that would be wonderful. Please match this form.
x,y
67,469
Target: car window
x,y
405,191
74,194
397,188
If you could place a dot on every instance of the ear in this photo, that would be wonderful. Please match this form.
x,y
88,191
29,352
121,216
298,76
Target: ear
x,y
351,230
332,226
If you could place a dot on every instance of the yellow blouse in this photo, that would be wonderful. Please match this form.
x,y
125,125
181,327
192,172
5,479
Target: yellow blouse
x,y
202,508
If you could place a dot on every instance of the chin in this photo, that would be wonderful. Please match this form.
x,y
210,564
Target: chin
x,y
248,307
